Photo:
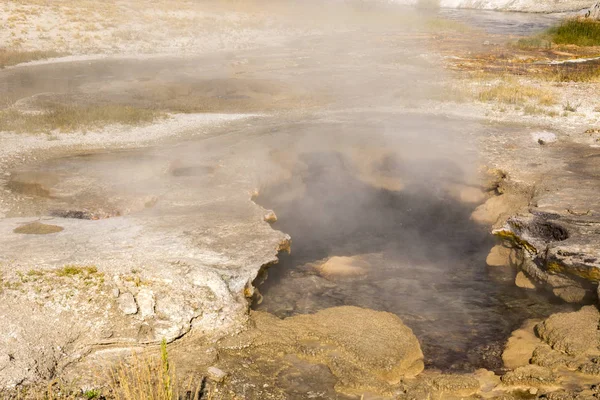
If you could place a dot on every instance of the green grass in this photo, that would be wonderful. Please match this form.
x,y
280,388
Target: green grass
x,y
72,270
10,57
531,43
577,31
91,394
70,118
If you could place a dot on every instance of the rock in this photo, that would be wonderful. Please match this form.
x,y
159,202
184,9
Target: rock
x,y
592,367
461,385
499,256
495,208
522,281
516,257
116,292
520,346
530,375
594,12
270,216
544,356
146,303
574,333
215,374
342,267
127,303
571,294
543,137
362,347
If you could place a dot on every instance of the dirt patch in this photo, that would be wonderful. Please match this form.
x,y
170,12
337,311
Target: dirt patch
x,y
38,228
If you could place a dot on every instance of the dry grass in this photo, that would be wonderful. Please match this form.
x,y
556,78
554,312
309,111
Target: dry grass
x,y
10,57
583,72
143,378
150,379
511,92
69,118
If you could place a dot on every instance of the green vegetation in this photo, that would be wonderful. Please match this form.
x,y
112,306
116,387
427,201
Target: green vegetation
x,y
69,118
91,394
577,31
535,42
72,270
12,57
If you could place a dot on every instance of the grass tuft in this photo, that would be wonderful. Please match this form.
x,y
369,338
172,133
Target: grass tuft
x,y
570,107
582,72
577,31
509,92
149,379
72,270
531,43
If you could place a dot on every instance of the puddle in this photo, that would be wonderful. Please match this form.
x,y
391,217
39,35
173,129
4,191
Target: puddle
x,y
413,252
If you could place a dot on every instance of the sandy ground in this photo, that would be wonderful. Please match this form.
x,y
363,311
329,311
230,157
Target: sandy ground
x,y
126,27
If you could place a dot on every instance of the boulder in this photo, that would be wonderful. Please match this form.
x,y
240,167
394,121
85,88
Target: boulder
x,y
363,348
574,333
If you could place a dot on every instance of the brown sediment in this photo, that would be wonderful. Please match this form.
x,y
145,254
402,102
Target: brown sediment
x,y
38,228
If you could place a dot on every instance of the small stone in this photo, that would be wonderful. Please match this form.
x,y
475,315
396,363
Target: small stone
x,y
127,303
270,217
216,374
544,137
499,256
116,292
522,281
146,302
342,267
